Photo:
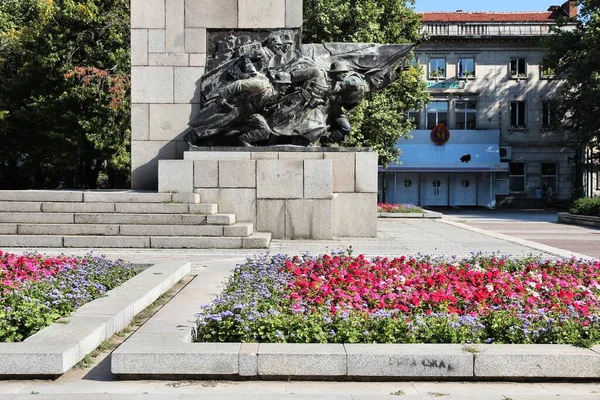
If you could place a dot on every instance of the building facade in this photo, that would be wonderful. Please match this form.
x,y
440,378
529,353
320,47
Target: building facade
x,y
486,136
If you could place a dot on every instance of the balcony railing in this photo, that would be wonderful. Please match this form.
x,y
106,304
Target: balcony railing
x,y
491,29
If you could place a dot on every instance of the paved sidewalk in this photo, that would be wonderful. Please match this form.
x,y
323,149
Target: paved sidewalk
x,y
395,237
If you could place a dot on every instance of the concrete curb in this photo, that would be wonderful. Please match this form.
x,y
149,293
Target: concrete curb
x,y
177,357
58,347
425,214
582,220
523,242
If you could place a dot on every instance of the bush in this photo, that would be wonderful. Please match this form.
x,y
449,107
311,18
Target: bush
x,y
35,290
398,208
586,206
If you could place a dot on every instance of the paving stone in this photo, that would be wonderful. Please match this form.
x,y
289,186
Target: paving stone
x,y
211,14
160,242
41,195
147,13
237,174
255,14
366,172
152,84
13,206
176,359
141,219
107,241
257,240
355,215
195,40
187,85
126,196
308,219
318,182
139,47
536,361
204,209
67,229
344,165
171,230
248,359
293,13
300,359
175,26
408,360
152,208
270,217
206,174
280,179
240,229
30,241
78,207
37,218
157,40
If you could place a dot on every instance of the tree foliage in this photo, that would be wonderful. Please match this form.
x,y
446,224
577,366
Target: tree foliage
x,y
574,55
64,93
381,119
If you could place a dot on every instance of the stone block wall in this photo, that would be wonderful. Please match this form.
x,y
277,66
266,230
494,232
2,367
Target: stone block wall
x,y
168,55
310,194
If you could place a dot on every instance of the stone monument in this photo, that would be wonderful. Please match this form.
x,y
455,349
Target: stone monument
x,y
264,119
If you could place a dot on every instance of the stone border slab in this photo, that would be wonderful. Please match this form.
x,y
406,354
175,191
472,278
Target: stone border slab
x,y
583,220
55,349
139,357
425,214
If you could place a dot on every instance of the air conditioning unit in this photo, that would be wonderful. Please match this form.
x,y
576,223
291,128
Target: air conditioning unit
x,y
505,153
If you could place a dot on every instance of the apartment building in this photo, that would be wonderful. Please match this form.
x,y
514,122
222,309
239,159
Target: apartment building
x,y
486,137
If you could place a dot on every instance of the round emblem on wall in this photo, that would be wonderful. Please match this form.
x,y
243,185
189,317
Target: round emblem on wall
x,y
440,134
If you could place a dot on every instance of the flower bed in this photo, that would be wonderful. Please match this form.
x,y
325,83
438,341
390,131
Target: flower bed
x,y
344,299
36,290
398,208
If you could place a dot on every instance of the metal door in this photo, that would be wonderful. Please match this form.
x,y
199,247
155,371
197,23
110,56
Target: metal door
x,y
406,188
463,191
434,189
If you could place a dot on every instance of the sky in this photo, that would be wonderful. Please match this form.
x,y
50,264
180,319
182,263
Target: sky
x,y
485,5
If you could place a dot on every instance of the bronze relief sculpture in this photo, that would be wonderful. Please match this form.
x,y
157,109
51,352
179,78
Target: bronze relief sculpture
x,y
265,88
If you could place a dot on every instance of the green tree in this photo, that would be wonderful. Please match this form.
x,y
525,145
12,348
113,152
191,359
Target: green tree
x,y
574,55
64,93
381,119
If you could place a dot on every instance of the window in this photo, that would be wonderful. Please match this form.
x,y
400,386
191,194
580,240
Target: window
x,y
437,67
437,113
517,177
549,176
548,114
517,114
546,71
466,114
518,68
415,118
466,67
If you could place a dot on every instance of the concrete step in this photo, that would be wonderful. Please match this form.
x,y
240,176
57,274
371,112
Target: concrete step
x,y
153,219
67,229
258,240
97,196
36,218
132,208
171,230
41,195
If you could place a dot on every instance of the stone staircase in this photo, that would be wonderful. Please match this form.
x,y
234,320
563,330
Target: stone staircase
x,y
120,219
